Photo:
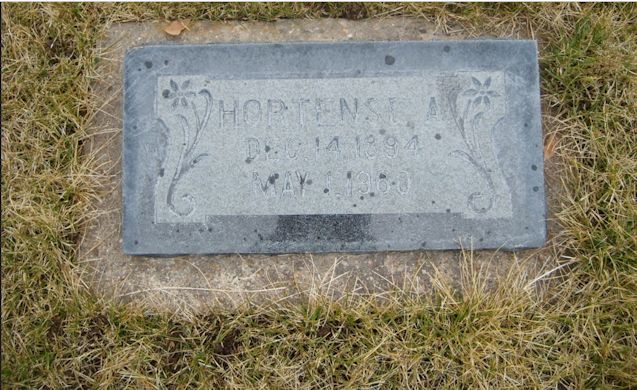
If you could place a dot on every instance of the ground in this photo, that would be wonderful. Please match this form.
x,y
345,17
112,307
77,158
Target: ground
x,y
573,327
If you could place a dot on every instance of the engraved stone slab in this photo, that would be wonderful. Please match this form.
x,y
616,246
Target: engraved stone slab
x,y
332,147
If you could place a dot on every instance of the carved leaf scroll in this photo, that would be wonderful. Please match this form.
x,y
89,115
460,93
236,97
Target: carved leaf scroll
x,y
191,110
476,99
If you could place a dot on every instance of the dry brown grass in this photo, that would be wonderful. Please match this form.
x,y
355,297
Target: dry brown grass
x,y
577,331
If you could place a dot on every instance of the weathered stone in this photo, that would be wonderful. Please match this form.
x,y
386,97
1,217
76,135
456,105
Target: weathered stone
x,y
313,147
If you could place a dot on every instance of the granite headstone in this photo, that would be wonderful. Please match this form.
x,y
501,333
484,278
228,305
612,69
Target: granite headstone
x,y
314,147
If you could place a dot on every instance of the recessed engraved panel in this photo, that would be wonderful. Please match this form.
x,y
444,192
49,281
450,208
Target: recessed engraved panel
x,y
319,147
330,146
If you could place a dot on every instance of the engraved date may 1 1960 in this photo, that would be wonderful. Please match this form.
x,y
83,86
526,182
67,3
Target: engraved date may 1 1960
x,y
351,183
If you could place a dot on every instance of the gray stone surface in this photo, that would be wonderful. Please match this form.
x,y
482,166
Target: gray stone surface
x,y
225,281
315,147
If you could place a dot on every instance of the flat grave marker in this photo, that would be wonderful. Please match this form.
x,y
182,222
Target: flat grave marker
x,y
317,147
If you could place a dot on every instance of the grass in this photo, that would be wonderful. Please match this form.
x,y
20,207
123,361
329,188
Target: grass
x,y
577,331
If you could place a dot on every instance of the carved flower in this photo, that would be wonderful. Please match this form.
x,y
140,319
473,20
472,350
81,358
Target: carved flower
x,y
179,95
481,92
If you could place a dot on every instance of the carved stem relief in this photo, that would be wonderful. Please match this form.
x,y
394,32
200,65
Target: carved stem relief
x,y
191,111
468,110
